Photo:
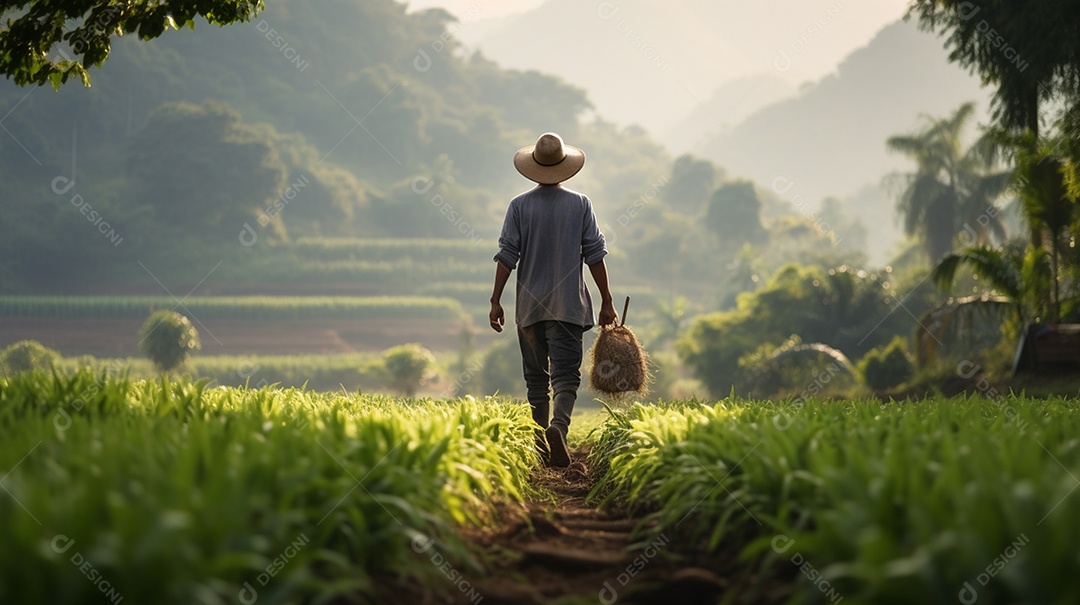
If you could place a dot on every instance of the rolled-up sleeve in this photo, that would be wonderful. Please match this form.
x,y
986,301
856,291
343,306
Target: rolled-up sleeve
x,y
509,240
593,245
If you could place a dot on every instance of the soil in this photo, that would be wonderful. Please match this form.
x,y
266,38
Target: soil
x,y
564,550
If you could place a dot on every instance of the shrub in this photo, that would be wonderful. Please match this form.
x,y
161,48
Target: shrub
x,y
167,337
502,368
887,367
26,355
407,367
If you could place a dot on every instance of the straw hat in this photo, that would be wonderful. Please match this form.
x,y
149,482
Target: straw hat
x,y
549,161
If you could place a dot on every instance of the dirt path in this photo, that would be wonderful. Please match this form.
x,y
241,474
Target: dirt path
x,y
576,553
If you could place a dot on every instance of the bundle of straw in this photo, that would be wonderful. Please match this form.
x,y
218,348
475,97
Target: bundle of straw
x,y
618,364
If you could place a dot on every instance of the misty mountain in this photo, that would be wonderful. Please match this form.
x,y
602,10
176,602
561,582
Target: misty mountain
x,y
830,139
732,103
649,63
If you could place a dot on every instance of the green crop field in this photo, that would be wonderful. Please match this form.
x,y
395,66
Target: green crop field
x,y
140,491
934,502
235,307
351,371
163,492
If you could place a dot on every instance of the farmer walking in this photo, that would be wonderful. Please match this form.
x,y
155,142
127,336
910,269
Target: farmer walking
x,y
548,233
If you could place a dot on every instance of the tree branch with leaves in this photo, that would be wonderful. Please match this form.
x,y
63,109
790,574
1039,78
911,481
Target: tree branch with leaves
x,y
53,41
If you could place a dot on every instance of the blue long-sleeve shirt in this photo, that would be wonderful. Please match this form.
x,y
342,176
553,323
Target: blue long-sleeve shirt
x,y
549,231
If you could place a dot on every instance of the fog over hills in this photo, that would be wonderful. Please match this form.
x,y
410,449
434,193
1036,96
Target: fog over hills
x,y
729,105
830,139
807,94
653,64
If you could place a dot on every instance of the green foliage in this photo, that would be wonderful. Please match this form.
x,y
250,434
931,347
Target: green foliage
x,y
964,328
1031,276
81,32
796,370
1001,268
843,308
408,367
1050,209
176,494
887,367
27,355
1015,291
215,174
881,500
195,176
167,337
1010,46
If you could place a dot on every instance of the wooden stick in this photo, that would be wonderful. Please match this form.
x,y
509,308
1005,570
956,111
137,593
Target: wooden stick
x,y
626,306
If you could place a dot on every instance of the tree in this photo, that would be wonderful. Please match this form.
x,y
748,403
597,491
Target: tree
x,y
887,367
80,32
1050,209
1002,269
952,190
1027,48
167,337
502,368
692,180
215,174
407,367
734,213
1029,278
27,355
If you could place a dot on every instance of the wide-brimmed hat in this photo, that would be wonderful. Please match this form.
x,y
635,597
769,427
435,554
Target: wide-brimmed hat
x,y
549,161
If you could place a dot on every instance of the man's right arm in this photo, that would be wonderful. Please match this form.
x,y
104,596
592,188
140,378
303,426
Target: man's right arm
x,y
497,316
506,260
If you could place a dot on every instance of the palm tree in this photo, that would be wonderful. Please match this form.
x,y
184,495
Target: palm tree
x,y
952,190
1020,279
1050,209
1002,268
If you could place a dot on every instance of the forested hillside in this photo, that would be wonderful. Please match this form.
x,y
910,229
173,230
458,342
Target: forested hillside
x,y
319,119
204,157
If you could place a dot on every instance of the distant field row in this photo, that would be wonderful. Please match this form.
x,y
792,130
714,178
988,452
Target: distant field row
x,y
351,371
333,249
402,272
235,307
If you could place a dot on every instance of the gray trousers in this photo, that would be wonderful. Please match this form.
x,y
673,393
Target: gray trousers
x,y
551,355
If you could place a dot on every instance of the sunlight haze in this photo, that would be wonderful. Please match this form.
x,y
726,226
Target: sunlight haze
x,y
635,60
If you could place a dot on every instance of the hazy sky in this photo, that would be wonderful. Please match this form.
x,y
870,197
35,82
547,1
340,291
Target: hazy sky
x,y
485,9
651,63
828,29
